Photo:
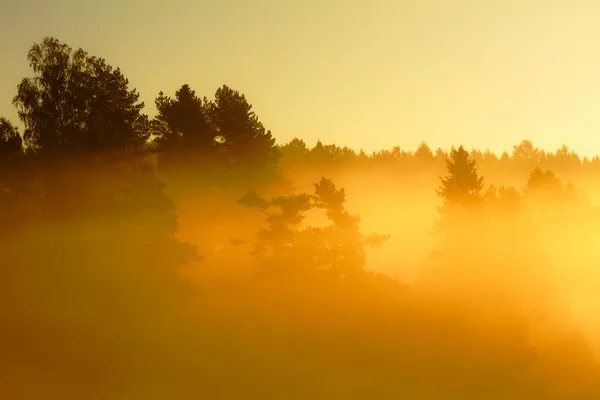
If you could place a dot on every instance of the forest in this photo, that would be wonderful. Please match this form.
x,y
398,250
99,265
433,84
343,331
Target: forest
x,y
190,255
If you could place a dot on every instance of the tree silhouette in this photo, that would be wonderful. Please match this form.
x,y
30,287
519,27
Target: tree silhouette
x,y
461,191
77,103
424,153
186,123
462,186
565,159
294,153
462,197
106,258
526,156
504,200
337,249
544,183
11,143
245,141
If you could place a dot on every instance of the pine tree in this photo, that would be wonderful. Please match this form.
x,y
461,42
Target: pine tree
x,y
461,191
462,186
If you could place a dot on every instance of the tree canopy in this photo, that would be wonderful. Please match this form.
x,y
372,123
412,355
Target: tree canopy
x,y
77,103
185,122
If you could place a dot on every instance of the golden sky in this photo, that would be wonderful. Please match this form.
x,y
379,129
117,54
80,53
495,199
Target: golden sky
x,y
363,73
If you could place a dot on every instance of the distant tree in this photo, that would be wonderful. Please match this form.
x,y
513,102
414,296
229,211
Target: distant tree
x,y
344,238
564,160
337,249
548,197
462,205
480,233
526,156
424,153
362,157
544,182
477,156
294,151
245,141
441,155
504,201
320,154
186,122
396,153
77,103
348,155
336,153
462,186
489,156
383,157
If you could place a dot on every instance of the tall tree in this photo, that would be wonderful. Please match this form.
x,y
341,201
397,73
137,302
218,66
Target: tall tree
x,y
462,200
77,103
186,121
108,227
462,186
245,140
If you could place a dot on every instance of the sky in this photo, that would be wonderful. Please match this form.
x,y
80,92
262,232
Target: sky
x,y
369,74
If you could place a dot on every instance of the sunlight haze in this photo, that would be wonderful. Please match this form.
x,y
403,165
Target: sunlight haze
x,y
186,212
